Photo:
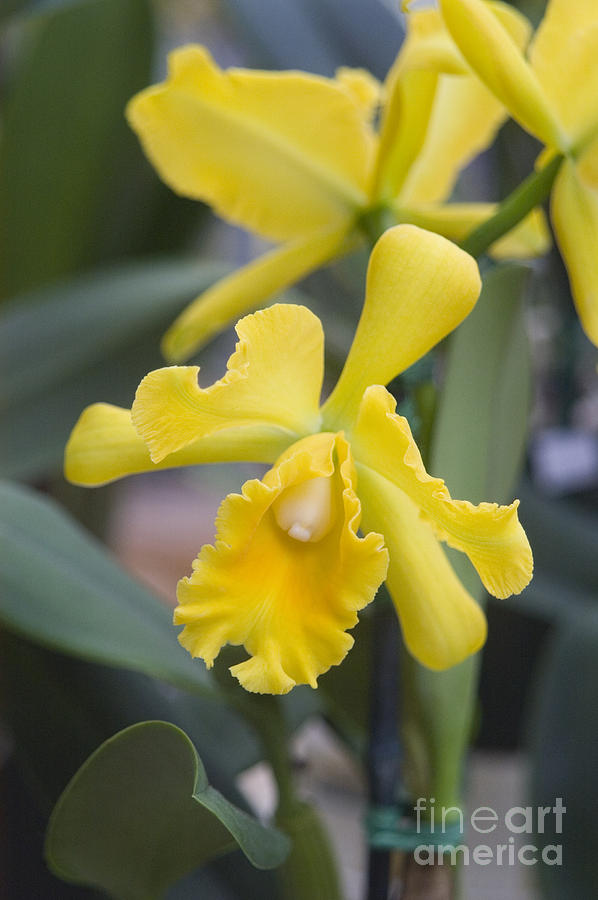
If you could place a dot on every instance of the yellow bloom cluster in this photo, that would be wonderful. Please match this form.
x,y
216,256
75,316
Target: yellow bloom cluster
x,y
288,571
298,160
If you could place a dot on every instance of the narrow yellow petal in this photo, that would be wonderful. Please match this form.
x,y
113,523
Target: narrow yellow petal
x,y
248,288
564,56
529,238
104,446
587,164
464,117
365,89
410,90
274,377
419,288
463,121
428,45
280,153
574,212
410,98
489,534
441,623
495,57
288,601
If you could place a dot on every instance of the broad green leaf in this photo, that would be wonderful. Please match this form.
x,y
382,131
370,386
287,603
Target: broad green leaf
x,y
59,588
477,448
140,813
346,689
563,738
564,537
91,338
64,138
481,426
93,702
310,869
60,709
51,333
11,8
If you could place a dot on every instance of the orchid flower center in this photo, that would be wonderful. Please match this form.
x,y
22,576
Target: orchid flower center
x,y
305,511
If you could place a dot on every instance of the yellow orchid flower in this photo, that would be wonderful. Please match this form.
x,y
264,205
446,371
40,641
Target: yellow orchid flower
x,y
288,571
295,158
553,94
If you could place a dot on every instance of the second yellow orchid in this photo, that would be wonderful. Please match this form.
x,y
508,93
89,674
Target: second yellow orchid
x,y
296,159
288,571
554,96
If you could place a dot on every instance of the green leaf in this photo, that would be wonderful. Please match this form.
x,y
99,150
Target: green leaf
x,y
564,537
478,446
310,869
59,588
67,327
90,338
346,689
140,813
563,734
481,427
92,702
64,135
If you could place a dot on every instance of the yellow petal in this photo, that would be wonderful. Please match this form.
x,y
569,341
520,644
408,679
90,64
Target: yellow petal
x,y
247,289
530,237
364,88
464,117
289,602
427,45
274,377
574,212
419,288
463,121
587,164
280,153
489,534
410,90
495,57
104,446
441,623
410,97
564,56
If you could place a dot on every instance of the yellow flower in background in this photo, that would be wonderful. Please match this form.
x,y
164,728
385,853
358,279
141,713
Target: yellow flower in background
x,y
296,159
554,95
288,571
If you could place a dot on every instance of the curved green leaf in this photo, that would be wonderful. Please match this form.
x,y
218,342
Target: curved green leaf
x,y
92,702
59,331
90,338
59,588
140,813
563,739
64,136
486,391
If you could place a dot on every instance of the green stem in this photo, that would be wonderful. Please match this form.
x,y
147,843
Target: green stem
x,y
266,715
529,194
310,869
374,222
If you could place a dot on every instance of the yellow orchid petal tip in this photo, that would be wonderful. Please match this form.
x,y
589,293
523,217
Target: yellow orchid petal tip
x,y
273,378
491,535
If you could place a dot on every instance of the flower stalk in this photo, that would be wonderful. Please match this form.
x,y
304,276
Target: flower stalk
x,y
310,869
529,194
